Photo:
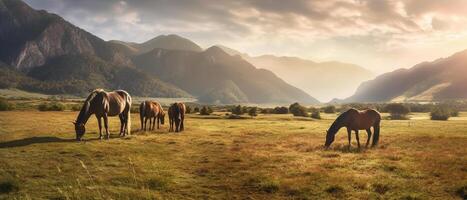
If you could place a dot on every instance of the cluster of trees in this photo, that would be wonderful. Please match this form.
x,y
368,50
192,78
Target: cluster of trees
x,y
51,106
240,110
437,111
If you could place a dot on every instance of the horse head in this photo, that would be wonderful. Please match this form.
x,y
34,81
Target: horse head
x,y
80,129
330,136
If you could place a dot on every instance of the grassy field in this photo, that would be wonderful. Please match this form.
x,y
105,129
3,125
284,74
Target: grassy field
x,y
269,157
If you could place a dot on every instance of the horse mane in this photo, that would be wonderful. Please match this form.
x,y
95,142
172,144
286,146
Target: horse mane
x,y
85,109
339,120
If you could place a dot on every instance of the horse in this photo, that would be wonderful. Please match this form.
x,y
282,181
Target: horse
x,y
176,116
153,111
355,120
103,105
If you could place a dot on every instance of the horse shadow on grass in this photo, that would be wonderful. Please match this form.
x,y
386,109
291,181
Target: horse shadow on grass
x,y
33,140
48,139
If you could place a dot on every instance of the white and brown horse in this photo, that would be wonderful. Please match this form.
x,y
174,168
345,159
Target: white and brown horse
x,y
153,111
355,120
103,105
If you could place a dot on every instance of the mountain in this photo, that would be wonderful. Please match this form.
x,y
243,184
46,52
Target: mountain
x,y
317,78
41,52
170,42
215,76
442,79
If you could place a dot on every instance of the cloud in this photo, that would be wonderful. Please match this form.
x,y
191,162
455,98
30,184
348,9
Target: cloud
x,y
301,27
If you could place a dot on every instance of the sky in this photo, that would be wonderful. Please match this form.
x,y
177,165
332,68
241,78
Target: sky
x,y
380,35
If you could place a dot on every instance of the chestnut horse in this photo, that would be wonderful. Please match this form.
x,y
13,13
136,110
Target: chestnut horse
x,y
355,120
176,116
104,104
153,111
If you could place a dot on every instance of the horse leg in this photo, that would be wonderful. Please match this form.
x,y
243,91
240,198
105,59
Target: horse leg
x,y
358,138
122,122
368,131
157,119
99,122
349,134
182,127
154,123
171,129
146,123
106,125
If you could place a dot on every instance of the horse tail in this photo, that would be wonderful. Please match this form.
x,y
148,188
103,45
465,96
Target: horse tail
x,y
128,125
141,113
376,127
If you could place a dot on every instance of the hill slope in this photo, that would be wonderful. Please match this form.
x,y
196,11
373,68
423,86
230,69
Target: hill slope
x,y
41,52
314,78
214,70
170,42
442,79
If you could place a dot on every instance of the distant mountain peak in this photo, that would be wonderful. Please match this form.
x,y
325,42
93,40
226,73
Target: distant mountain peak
x,y
170,42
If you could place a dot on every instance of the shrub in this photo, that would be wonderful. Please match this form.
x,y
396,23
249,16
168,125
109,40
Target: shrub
x,y
205,110
454,113
5,105
188,109
8,186
298,110
267,111
397,110
77,107
238,110
315,113
281,110
329,109
440,113
196,110
52,106
210,110
253,112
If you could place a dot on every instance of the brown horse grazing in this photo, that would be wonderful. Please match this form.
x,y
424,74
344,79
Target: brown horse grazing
x,y
355,120
176,116
153,111
104,104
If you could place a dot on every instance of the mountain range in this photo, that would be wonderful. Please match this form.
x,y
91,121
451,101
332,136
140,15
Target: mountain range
x,y
324,80
439,80
42,52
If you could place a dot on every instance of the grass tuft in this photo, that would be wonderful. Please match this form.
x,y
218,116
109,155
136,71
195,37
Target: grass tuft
x,y
8,186
462,192
158,183
336,190
380,188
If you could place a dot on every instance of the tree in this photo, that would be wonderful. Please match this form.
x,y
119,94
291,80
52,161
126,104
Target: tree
x,y
315,113
237,110
5,105
281,110
196,110
329,109
397,110
205,111
188,109
253,111
298,110
441,113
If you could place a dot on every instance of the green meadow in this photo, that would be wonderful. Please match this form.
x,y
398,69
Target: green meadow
x,y
266,157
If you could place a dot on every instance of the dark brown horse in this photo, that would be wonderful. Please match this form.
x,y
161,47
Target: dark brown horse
x,y
355,120
176,116
153,111
104,104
